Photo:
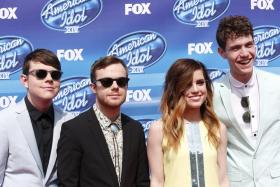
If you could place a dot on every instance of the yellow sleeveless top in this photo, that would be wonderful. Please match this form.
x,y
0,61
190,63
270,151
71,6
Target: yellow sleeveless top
x,y
177,167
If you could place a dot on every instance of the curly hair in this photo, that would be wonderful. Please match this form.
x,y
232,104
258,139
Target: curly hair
x,y
233,27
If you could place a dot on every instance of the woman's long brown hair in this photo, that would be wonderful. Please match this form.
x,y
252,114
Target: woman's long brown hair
x,y
173,104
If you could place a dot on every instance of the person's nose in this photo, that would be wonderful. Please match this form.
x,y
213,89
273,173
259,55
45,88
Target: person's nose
x,y
49,77
115,85
194,88
244,52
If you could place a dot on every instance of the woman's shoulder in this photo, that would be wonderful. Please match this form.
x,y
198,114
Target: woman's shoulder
x,y
156,130
223,128
156,126
223,132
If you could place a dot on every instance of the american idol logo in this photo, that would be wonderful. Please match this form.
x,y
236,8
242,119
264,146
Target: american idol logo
x,y
215,74
146,123
13,50
75,95
267,40
199,12
70,15
139,50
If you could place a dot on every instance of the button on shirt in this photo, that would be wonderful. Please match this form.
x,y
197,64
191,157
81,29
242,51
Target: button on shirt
x,y
116,153
239,90
42,124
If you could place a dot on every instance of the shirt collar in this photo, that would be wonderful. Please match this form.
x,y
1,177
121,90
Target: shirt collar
x,y
104,121
237,84
36,114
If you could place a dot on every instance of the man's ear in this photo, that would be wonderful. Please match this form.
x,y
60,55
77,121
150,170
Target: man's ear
x,y
24,80
93,87
222,52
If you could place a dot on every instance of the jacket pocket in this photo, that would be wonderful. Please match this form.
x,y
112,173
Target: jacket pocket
x,y
275,172
235,176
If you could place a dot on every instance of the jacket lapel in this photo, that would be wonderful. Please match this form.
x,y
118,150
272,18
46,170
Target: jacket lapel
x,y
27,129
126,148
100,140
264,104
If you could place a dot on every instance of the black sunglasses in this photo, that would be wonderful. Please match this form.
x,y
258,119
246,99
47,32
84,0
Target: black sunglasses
x,y
245,104
107,82
41,74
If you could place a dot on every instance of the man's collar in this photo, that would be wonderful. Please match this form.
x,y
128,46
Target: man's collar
x,y
235,83
35,113
105,122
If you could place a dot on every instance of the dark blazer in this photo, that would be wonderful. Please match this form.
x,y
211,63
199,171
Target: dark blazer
x,y
84,159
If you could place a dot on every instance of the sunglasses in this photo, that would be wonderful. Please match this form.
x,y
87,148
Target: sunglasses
x,y
107,82
245,104
41,74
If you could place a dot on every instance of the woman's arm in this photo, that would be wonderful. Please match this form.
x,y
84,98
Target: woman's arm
x,y
155,154
222,157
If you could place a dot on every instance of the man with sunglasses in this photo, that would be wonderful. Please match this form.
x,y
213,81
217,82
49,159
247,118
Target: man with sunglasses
x,y
247,101
30,129
102,146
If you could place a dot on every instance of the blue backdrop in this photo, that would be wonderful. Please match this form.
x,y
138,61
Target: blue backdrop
x,y
149,35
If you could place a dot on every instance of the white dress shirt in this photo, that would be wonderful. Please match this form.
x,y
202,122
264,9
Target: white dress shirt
x,y
239,90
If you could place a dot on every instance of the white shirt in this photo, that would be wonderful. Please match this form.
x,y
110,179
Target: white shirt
x,y
239,90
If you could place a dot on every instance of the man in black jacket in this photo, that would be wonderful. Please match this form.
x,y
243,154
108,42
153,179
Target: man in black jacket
x,y
103,147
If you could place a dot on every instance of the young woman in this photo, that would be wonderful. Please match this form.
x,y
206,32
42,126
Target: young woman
x,y
187,146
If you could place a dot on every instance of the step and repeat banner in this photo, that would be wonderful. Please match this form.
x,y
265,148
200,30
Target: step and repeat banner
x,y
149,35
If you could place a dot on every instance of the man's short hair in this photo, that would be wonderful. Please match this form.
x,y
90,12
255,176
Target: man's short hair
x,y
233,27
43,56
103,63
